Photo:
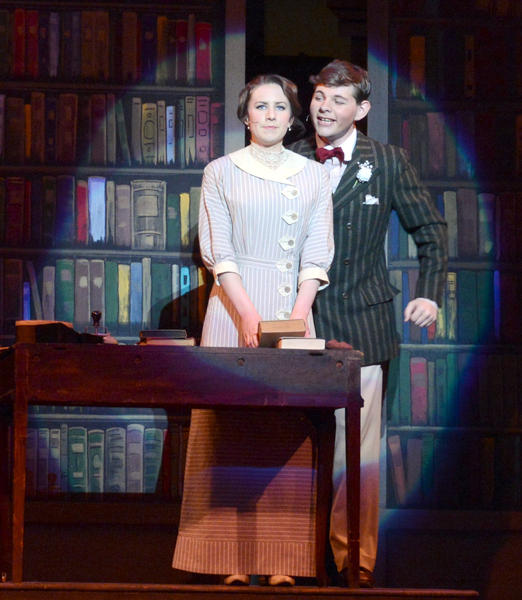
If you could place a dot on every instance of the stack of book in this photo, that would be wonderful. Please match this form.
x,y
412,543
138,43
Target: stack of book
x,y
165,337
287,334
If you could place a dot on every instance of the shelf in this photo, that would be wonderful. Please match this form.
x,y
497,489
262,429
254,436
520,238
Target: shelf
x,y
21,85
130,416
451,520
468,430
400,105
134,509
481,264
195,6
100,252
149,171
479,348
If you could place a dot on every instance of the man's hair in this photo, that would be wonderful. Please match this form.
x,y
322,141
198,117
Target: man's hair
x,y
289,90
340,73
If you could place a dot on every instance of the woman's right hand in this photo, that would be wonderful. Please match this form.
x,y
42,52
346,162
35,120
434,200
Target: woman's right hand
x,y
250,326
233,286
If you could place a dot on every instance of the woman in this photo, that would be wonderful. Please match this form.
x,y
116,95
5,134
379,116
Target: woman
x,y
265,227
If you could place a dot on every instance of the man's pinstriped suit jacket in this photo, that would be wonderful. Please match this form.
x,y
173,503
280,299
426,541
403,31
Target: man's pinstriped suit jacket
x,y
357,306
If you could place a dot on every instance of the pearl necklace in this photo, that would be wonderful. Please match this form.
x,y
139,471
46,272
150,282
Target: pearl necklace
x,y
272,160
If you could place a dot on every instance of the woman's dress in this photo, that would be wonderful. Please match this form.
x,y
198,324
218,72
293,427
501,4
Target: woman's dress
x,y
249,488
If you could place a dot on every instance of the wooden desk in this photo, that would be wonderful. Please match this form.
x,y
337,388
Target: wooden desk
x,y
173,377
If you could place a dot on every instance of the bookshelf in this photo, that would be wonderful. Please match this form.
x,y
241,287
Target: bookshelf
x,y
108,114
447,88
458,379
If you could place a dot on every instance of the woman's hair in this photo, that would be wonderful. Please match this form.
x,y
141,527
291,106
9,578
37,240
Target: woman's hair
x,y
340,73
289,90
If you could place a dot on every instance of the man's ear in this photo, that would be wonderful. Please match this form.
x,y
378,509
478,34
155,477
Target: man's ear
x,y
362,110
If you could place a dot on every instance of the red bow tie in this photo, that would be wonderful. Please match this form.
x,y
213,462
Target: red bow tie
x,y
324,154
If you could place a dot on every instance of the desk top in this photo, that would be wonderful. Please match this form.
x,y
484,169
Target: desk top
x,y
109,375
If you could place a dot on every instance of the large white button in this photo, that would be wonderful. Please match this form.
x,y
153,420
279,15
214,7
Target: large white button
x,y
290,192
287,242
284,266
283,315
285,289
290,216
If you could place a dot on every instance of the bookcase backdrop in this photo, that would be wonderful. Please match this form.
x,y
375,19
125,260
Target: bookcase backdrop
x,y
108,114
449,91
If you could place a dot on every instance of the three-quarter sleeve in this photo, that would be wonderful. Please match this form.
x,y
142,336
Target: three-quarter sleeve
x,y
318,249
215,223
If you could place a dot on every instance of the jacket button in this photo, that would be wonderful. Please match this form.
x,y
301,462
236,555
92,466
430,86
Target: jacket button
x,y
345,296
346,261
348,226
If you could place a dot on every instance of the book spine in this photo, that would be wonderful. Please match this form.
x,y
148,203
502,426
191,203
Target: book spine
x,y
149,133
54,43
97,287
54,478
161,291
136,294
152,455
162,132
101,45
203,35
38,127
64,290
99,129
170,120
123,234
42,465
19,43
82,282
190,130
96,460
123,298
77,455
134,458
202,129
148,202
12,294
31,43
116,464
31,462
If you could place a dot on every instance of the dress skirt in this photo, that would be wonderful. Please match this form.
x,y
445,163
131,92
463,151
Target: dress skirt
x,y
249,494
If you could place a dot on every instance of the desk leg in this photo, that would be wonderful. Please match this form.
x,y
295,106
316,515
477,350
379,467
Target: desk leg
x,y
353,485
325,427
5,493
19,452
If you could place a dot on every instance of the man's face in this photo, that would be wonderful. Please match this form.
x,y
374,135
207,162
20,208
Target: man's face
x,y
334,110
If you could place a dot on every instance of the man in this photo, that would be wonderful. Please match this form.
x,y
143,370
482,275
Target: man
x,y
368,181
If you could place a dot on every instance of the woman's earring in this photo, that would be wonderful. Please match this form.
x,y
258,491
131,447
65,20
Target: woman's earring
x,y
247,126
290,128
307,118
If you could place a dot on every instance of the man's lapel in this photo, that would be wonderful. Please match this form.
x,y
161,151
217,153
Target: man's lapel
x,y
349,187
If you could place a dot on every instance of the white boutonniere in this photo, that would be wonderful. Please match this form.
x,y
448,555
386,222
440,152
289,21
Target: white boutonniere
x,y
364,173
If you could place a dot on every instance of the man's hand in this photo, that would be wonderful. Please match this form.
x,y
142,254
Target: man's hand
x,y
420,312
335,345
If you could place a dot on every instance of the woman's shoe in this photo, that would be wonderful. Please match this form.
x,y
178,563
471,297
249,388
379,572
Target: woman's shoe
x,y
281,580
237,580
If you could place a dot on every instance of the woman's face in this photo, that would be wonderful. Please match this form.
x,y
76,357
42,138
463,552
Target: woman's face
x,y
269,116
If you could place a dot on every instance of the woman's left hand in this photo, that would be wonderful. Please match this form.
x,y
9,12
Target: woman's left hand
x,y
299,315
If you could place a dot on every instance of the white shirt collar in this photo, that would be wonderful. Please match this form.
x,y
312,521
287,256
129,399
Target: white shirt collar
x,y
348,145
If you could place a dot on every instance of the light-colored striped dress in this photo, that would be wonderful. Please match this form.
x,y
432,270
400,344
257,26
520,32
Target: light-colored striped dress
x,y
249,493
